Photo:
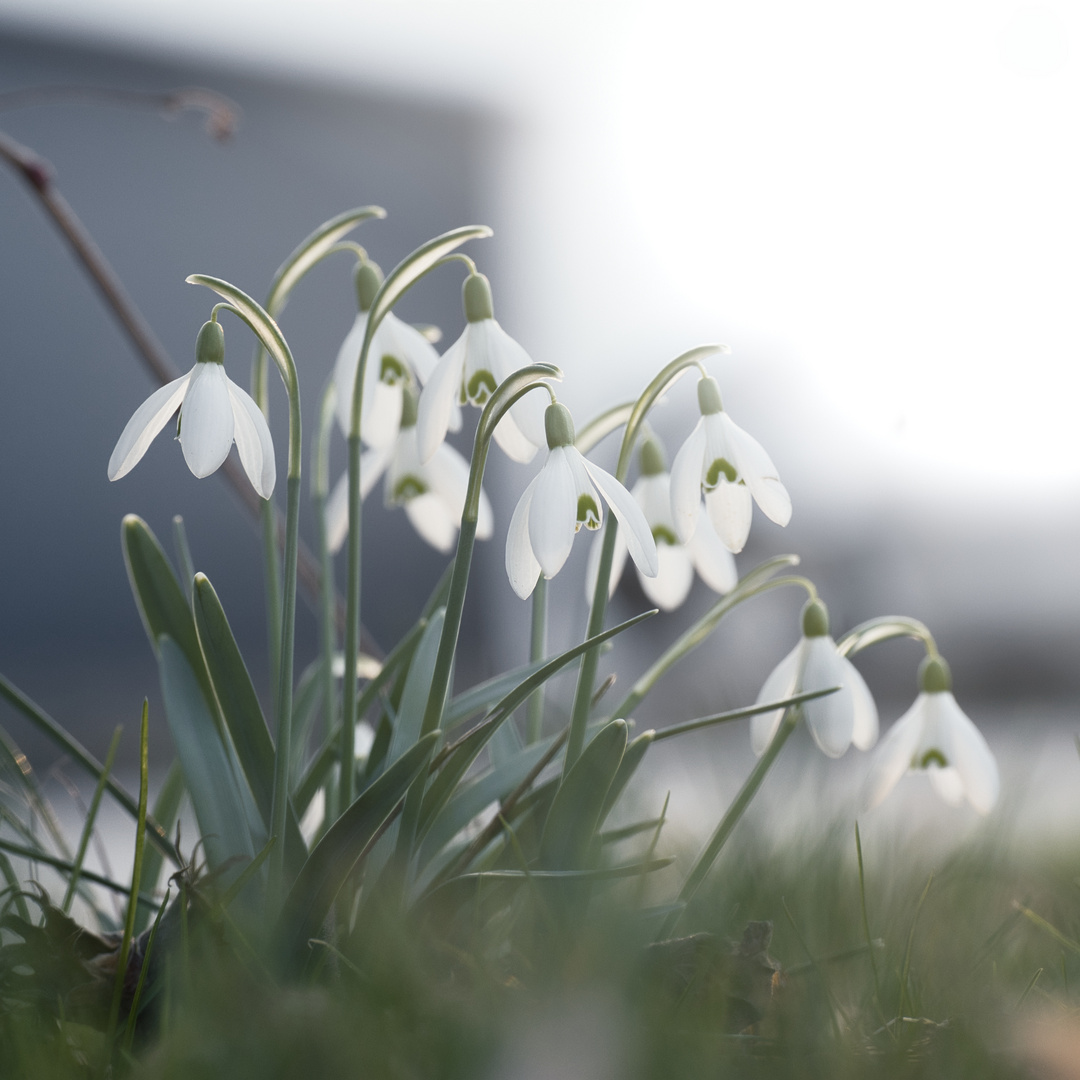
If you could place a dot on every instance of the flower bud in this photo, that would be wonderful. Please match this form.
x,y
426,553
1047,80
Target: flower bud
x,y
367,278
476,295
708,395
559,426
210,344
934,676
815,619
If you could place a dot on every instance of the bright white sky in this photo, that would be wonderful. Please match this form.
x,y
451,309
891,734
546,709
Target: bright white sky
x,y
876,205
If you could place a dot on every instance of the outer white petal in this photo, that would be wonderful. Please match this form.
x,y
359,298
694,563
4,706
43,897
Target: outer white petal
x,y
409,344
893,757
730,510
947,784
438,398
756,468
348,358
831,719
253,441
639,537
675,575
372,465
448,473
521,566
433,520
206,420
512,442
381,419
592,565
779,685
147,420
553,514
492,347
686,482
713,561
971,756
865,732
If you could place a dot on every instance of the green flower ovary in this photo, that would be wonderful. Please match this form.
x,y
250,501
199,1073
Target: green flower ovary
x,y
392,371
407,487
719,467
478,389
588,513
663,535
931,757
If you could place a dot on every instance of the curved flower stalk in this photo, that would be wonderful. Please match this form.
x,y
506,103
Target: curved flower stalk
x,y
399,356
558,501
722,462
935,735
432,493
468,373
836,721
214,413
677,561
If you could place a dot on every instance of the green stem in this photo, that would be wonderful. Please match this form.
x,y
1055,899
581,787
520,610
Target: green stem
x,y
537,651
583,694
320,487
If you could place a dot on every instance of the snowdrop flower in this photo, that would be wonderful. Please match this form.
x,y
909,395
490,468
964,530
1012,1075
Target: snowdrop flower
x,y
722,462
432,493
836,720
469,372
398,356
558,501
677,561
214,412
935,735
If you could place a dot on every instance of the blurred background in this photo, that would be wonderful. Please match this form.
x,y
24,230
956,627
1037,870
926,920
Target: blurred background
x,y
875,207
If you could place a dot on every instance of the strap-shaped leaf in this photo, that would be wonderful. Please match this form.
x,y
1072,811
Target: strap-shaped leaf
x,y
481,697
345,843
631,759
224,807
577,812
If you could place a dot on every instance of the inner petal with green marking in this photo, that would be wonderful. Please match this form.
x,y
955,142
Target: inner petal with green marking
x,y
392,371
588,513
479,387
932,757
406,488
719,467
663,535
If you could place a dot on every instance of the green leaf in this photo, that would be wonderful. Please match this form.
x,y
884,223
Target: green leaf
x,y
482,696
635,751
578,810
166,807
343,846
224,807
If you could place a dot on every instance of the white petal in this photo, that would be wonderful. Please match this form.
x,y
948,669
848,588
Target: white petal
x,y
675,575
512,442
432,519
779,685
253,442
865,732
348,358
972,758
947,784
639,537
437,400
411,346
893,757
521,566
490,347
206,420
831,719
686,482
730,509
373,463
592,565
381,419
553,514
713,561
337,515
147,420
756,468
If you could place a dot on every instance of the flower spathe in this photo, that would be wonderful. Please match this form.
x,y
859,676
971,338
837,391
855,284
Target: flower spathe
x,y
936,736
676,561
728,467
561,498
468,374
214,413
836,720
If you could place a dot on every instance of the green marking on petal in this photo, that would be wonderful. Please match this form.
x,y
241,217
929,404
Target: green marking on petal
x,y
407,487
588,513
392,371
663,535
721,466
933,757
479,388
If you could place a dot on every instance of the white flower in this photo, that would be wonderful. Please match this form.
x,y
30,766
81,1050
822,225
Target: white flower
x,y
677,561
432,493
558,501
469,372
835,720
214,412
935,735
398,356
722,462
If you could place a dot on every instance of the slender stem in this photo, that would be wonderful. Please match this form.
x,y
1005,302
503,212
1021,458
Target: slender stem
x,y
320,486
537,651
347,748
583,694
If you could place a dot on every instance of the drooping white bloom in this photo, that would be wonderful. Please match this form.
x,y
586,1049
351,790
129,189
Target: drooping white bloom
x,y
399,356
935,735
432,493
835,720
722,462
677,561
469,373
214,413
558,501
